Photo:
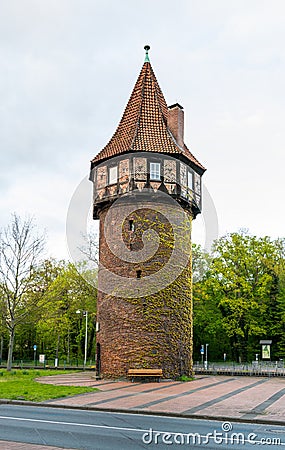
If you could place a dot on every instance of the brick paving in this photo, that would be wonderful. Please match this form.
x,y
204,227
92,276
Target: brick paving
x,y
213,396
223,397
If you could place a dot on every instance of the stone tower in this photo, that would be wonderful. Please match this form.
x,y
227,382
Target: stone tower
x,y
147,190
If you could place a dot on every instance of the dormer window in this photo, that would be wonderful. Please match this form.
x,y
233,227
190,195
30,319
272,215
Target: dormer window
x,y
154,171
113,175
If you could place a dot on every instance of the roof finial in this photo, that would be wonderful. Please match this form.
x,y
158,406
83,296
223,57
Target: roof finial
x,y
146,47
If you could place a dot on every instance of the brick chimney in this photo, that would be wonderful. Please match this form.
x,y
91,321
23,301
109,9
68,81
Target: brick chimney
x,y
175,123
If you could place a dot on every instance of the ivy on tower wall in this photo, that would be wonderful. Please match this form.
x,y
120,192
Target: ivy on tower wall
x,y
147,331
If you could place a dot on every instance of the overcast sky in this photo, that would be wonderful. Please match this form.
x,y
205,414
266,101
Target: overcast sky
x,y
67,68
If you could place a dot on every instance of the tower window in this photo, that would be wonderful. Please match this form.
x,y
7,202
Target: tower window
x,y
190,180
155,171
113,175
139,273
131,225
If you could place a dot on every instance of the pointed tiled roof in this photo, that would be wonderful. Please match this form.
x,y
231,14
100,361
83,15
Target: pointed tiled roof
x,y
143,126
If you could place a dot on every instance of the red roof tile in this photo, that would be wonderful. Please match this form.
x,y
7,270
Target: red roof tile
x,y
143,126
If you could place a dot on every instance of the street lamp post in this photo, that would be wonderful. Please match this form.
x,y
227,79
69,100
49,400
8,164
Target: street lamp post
x,y
35,353
85,314
206,357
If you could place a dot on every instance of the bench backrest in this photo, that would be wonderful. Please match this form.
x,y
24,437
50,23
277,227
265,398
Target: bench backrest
x,y
145,371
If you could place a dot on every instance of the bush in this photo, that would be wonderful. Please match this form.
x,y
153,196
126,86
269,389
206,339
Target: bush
x,y
185,378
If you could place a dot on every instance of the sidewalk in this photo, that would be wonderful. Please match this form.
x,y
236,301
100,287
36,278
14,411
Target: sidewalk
x,y
234,398
216,397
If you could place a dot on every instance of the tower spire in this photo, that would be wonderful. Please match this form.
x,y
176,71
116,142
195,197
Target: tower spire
x,y
145,124
146,47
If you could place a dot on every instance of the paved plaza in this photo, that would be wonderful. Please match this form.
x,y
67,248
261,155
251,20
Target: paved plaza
x,y
236,398
221,397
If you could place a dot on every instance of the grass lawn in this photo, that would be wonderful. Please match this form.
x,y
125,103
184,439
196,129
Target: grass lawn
x,y
21,385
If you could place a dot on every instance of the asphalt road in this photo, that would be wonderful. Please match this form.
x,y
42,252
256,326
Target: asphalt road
x,y
92,430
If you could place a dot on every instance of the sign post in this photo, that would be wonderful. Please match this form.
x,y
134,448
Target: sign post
x,y
202,353
265,349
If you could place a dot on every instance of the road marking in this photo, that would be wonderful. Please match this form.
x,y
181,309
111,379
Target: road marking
x,y
138,430
53,422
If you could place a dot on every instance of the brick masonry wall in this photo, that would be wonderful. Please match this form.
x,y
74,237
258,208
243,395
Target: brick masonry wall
x,y
154,331
175,122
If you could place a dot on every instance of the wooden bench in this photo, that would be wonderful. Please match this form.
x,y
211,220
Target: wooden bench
x,y
142,373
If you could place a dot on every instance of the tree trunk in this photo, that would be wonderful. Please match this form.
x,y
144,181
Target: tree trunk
x,y
1,348
10,349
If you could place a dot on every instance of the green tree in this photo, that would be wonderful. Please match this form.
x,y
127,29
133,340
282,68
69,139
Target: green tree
x,y
239,296
277,325
244,267
207,317
60,330
26,336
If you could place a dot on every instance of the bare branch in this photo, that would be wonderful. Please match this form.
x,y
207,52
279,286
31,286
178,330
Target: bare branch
x,y
91,248
20,251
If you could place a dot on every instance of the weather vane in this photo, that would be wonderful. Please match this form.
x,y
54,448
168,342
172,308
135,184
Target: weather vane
x,y
146,47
